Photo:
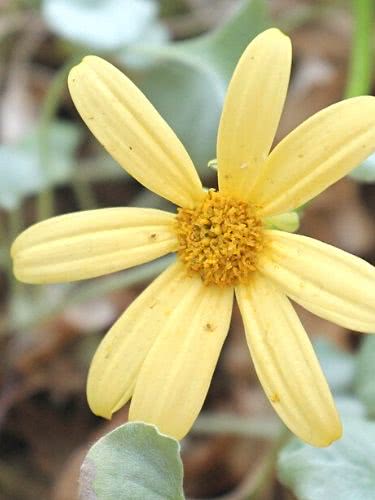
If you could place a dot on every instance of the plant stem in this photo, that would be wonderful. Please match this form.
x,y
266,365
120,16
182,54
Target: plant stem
x,y
260,476
361,66
216,423
5,242
15,227
267,471
3,234
51,103
83,193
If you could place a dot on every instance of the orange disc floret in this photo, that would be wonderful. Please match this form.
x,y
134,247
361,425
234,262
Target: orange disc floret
x,y
220,239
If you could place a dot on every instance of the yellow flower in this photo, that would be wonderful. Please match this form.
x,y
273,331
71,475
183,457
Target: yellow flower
x,y
163,350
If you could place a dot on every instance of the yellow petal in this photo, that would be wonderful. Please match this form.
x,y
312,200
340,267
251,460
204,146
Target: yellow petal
x,y
325,280
315,155
174,379
252,111
133,132
89,244
119,357
286,363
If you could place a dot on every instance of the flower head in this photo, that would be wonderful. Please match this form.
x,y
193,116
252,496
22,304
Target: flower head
x,y
220,239
163,350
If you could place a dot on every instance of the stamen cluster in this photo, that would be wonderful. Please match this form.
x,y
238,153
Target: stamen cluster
x,y
220,239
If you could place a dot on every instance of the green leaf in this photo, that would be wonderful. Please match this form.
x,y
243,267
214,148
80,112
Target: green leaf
x,y
62,139
188,80
345,470
365,374
187,103
221,49
365,172
21,172
288,221
19,176
133,462
349,406
338,365
101,25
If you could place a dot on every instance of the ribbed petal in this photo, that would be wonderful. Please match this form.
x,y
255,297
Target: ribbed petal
x,y
175,377
89,244
315,155
325,280
286,363
133,132
252,111
119,357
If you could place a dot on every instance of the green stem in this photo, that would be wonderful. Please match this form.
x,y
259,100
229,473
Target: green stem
x,y
5,263
216,423
83,193
45,203
15,227
15,224
260,476
361,66
268,467
3,233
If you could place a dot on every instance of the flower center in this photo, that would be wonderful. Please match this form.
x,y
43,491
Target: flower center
x,y
220,239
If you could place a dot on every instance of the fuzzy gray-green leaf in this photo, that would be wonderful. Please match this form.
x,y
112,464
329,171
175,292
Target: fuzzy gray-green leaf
x,y
343,471
133,462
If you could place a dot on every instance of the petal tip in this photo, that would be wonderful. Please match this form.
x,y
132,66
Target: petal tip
x,y
98,409
79,68
92,59
276,32
328,436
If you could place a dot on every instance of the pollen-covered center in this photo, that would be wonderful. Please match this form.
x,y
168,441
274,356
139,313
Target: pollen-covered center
x,y
220,239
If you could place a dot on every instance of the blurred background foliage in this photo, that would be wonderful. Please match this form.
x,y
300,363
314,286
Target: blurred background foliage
x,y
181,53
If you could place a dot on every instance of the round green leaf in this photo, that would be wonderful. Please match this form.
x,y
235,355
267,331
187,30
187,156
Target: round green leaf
x,y
186,100
19,176
221,49
188,80
338,365
21,171
62,139
365,172
103,25
344,470
133,462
